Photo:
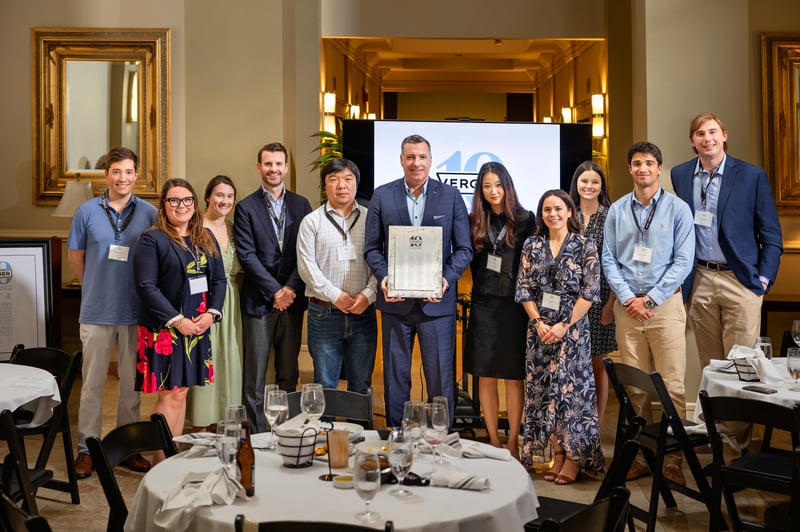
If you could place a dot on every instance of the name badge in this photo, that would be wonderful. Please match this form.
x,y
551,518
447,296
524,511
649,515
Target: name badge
x,y
494,262
347,253
119,253
642,254
198,285
551,301
704,218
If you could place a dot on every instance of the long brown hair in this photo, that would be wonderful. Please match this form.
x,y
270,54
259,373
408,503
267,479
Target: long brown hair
x,y
572,222
481,211
199,237
589,166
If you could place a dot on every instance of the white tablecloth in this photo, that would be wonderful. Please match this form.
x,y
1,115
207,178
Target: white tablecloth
x,y
717,383
298,494
29,388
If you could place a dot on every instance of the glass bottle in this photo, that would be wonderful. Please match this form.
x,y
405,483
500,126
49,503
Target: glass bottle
x,y
246,461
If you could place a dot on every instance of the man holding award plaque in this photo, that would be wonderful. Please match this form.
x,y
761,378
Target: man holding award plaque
x,y
417,245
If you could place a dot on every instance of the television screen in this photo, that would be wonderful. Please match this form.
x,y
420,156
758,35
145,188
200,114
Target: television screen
x,y
539,157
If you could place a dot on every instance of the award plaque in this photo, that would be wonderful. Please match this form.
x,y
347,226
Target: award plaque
x,y
415,261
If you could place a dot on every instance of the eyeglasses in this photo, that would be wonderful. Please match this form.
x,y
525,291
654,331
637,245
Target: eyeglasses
x,y
188,201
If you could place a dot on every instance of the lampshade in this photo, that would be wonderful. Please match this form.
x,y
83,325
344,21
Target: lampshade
x,y
566,115
547,120
329,102
355,111
598,126
75,193
597,104
371,116
329,123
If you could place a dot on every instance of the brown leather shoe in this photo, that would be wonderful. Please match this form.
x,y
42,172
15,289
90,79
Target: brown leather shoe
x,y
637,470
136,462
83,465
673,472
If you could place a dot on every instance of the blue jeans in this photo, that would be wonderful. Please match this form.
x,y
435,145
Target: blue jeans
x,y
333,337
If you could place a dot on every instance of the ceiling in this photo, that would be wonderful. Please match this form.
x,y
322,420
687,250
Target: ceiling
x,y
465,65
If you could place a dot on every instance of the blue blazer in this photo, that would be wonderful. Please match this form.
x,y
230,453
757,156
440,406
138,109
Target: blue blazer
x,y
159,271
443,207
266,268
749,231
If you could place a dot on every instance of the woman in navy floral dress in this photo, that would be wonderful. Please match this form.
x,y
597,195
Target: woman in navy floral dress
x,y
558,280
180,280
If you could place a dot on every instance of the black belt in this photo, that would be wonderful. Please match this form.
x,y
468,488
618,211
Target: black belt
x,y
716,266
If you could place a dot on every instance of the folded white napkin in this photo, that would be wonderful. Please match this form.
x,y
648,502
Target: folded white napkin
x,y
722,365
450,477
196,490
298,421
766,370
197,438
198,451
742,351
454,447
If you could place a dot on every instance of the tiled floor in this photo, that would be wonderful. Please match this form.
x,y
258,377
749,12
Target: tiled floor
x,y
92,513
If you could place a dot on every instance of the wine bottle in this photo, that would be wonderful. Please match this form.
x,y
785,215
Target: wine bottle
x,y
246,461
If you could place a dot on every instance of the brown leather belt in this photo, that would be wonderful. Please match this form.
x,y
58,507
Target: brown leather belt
x,y
321,303
716,266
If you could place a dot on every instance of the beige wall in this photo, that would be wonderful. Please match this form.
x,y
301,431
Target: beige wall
x,y
441,105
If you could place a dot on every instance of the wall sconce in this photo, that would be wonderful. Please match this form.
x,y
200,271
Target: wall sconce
x,y
329,112
371,116
355,111
566,115
598,116
547,120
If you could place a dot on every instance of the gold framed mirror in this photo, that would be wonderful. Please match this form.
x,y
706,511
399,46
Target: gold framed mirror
x,y
95,89
780,53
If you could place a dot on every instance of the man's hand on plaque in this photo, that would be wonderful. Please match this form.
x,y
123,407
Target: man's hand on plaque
x,y
385,288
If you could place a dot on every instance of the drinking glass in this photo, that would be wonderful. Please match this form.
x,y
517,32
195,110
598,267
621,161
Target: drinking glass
x,y
435,428
367,481
276,409
793,365
227,444
765,344
413,420
796,331
441,399
235,413
312,401
401,456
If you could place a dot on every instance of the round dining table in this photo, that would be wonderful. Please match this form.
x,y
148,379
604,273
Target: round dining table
x,y
28,388
299,495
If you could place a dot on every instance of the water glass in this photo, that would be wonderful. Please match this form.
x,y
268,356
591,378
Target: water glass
x,y
796,331
367,481
276,410
793,366
413,420
764,343
401,456
235,413
435,428
312,401
227,444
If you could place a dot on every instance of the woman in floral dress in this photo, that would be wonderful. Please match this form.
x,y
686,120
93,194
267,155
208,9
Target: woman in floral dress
x,y
559,278
180,280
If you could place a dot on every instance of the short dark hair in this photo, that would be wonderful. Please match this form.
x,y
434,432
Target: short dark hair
x,y
118,154
218,180
337,165
414,139
273,147
645,147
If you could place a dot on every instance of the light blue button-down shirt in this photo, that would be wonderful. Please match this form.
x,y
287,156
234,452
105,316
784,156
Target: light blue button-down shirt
x,y
416,205
670,237
277,209
707,237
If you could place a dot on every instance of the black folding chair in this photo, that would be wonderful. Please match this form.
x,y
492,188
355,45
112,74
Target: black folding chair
x,y
241,524
18,481
120,443
65,368
658,440
603,515
341,403
768,470
15,519
557,509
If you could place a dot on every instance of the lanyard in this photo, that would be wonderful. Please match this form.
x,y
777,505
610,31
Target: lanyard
x,y
279,222
704,190
125,222
339,228
643,232
497,241
197,255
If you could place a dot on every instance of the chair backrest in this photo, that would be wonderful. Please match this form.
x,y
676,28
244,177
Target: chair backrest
x,y
241,524
621,463
15,467
603,515
14,518
62,365
138,437
341,403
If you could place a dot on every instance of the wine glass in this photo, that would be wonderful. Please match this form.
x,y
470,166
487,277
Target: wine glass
x,y
796,331
367,481
435,428
793,365
276,409
235,413
227,444
401,456
764,343
312,401
413,420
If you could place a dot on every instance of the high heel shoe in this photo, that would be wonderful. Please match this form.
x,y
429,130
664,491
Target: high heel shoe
x,y
551,474
562,479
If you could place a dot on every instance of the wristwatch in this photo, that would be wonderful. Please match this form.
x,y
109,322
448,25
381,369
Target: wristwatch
x,y
534,321
648,302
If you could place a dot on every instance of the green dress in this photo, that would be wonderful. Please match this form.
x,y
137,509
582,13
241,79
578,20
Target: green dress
x,y
207,403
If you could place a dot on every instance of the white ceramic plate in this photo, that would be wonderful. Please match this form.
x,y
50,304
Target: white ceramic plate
x,y
374,446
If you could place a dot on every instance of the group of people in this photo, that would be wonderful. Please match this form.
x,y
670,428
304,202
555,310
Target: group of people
x,y
553,291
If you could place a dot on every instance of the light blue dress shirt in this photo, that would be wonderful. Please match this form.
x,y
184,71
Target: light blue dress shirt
x,y
416,205
707,242
670,237
277,209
